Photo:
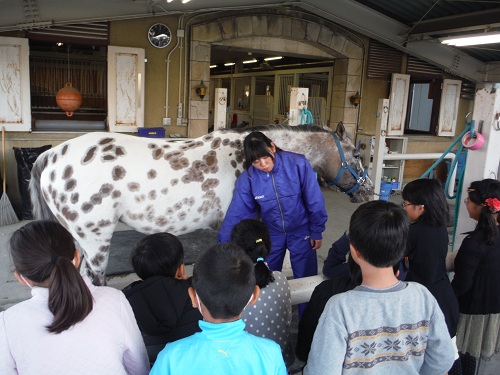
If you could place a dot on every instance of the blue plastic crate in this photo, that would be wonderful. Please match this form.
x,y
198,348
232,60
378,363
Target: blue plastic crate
x,y
152,132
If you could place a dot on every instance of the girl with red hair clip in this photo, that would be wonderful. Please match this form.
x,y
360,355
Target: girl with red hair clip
x,y
477,277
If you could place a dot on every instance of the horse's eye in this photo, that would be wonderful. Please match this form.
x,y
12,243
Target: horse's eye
x,y
355,154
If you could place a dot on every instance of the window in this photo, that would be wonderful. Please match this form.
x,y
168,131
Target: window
x,y
423,107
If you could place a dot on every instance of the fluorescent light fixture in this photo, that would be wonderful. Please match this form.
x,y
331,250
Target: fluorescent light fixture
x,y
185,1
229,64
472,39
250,61
213,66
273,58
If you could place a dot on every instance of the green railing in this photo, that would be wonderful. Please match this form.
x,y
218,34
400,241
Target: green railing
x,y
459,176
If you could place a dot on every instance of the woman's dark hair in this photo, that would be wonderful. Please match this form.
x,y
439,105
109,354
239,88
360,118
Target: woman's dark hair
x,y
43,251
479,191
256,145
253,236
158,254
430,194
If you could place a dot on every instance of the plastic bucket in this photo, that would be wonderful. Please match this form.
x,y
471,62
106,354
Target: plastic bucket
x,y
385,190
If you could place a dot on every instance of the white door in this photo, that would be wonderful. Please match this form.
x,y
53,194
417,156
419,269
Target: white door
x,y
400,86
125,88
15,105
448,108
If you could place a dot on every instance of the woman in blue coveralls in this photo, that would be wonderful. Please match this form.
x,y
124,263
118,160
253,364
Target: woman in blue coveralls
x,y
282,188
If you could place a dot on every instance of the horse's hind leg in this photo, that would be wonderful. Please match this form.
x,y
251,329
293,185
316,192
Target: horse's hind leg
x,y
95,251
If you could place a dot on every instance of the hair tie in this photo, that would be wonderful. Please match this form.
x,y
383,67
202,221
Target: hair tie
x,y
493,204
258,240
53,259
260,260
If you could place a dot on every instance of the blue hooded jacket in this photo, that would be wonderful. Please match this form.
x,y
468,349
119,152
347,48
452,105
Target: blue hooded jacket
x,y
288,199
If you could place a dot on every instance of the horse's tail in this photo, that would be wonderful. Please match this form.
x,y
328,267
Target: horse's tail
x,y
40,208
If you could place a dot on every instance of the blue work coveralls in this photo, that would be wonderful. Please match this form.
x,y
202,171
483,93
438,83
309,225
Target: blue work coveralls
x,y
289,201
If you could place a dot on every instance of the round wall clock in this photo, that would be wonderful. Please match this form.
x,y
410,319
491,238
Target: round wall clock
x,y
159,35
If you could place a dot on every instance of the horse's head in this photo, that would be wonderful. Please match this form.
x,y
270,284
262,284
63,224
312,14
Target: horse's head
x,y
351,178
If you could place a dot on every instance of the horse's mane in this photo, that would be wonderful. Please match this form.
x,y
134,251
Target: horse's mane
x,y
297,128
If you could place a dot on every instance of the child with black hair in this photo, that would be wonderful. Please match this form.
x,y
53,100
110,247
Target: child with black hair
x,y
319,298
426,206
69,326
223,284
161,300
477,277
271,315
384,326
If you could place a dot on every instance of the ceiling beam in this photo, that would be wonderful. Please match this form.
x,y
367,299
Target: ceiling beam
x,y
458,23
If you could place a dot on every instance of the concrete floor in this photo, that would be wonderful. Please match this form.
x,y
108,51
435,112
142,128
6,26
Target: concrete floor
x,y
339,210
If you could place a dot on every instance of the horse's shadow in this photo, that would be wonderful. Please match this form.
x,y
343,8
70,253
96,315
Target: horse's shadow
x,y
123,242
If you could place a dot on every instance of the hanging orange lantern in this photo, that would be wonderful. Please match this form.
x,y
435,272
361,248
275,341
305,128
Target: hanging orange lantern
x,y
68,99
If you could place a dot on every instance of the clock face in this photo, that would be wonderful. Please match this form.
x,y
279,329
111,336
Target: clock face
x,y
159,35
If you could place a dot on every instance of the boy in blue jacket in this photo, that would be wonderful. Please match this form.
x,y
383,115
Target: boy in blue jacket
x,y
223,285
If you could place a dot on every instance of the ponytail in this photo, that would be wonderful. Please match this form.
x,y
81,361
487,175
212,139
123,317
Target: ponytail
x,y
253,236
70,300
42,251
263,275
487,225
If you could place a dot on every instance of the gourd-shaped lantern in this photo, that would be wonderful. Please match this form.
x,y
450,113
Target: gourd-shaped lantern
x,y
68,98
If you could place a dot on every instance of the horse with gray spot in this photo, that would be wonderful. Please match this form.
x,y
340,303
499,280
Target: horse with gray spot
x,y
92,182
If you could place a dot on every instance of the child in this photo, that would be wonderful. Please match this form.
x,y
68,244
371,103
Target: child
x,y
161,301
383,326
426,206
319,298
69,326
271,315
477,277
223,284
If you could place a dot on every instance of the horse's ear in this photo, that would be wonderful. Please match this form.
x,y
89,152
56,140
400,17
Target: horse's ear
x,y
340,131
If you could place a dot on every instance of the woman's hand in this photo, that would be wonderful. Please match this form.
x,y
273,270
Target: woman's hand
x,y
316,244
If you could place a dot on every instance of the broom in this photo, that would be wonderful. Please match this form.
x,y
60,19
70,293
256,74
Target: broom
x,y
7,214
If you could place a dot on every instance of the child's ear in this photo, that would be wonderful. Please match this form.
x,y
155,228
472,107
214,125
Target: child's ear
x,y
354,253
20,279
192,295
179,274
255,295
77,259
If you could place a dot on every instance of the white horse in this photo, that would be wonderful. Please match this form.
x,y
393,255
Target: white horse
x,y
92,182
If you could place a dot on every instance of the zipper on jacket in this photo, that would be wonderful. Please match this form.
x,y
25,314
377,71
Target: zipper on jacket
x,y
279,205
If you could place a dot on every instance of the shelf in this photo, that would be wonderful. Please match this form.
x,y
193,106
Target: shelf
x,y
394,145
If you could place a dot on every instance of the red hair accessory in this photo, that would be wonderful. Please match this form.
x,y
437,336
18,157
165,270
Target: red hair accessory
x,y
493,204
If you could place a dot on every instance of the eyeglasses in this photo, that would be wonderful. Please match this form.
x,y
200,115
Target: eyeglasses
x,y
404,204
